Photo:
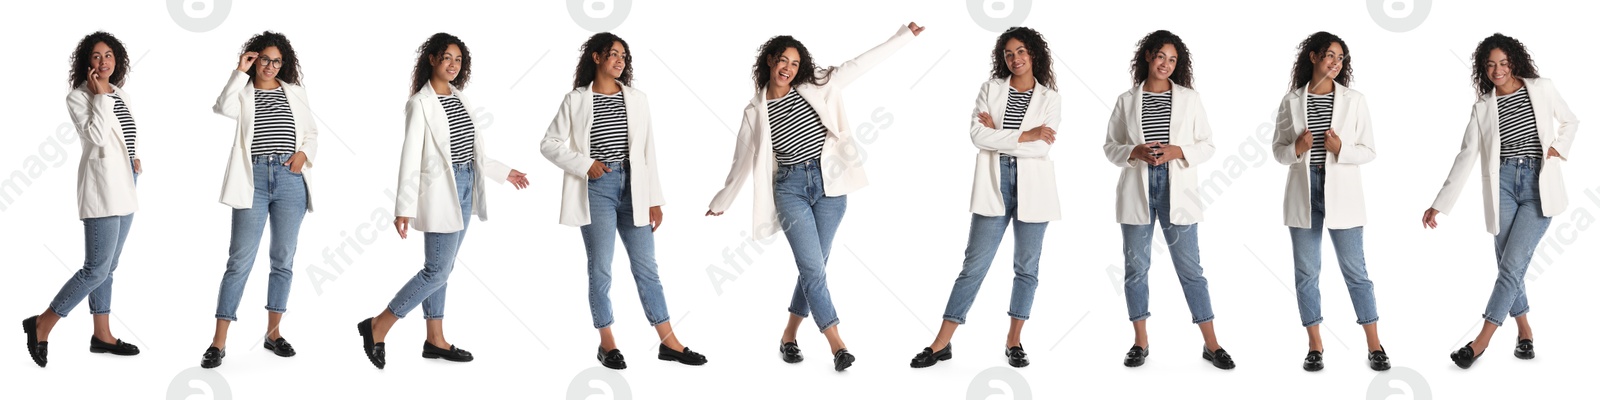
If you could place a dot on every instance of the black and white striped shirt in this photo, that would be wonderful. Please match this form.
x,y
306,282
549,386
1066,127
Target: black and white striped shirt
x,y
797,131
1519,135
274,130
1319,117
1016,108
1155,116
461,129
608,136
125,118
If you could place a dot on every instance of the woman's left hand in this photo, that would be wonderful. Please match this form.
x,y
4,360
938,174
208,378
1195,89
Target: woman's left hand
x,y
518,179
1547,155
296,162
1169,152
655,218
138,168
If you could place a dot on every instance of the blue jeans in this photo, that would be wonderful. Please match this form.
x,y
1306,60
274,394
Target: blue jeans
x,y
1183,242
983,240
428,286
102,248
1347,243
1522,224
809,218
280,196
610,215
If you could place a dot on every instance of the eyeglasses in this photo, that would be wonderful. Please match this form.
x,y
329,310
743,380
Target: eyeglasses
x,y
270,62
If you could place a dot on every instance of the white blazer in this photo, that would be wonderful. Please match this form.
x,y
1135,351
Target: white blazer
x,y
1189,130
105,174
238,101
426,191
566,144
1037,200
1344,204
1557,125
841,158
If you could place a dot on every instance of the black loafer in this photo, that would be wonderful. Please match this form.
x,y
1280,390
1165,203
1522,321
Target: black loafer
x,y
1219,358
928,357
375,352
1464,357
1313,361
36,349
280,347
1524,349
212,358
790,352
1135,357
611,359
686,357
120,348
429,351
1016,357
1378,359
842,359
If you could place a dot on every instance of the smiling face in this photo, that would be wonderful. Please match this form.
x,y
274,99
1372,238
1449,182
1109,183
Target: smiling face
x,y
612,63
1330,62
1499,68
268,62
1163,62
103,61
447,65
1018,59
784,66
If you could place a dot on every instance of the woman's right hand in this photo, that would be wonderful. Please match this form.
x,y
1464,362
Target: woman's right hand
x,y
597,169
1045,133
1304,142
1428,218
401,224
710,213
95,84
246,60
1145,152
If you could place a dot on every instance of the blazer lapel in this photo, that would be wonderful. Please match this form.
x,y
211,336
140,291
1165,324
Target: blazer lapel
x,y
438,122
1541,110
1030,118
815,100
636,125
1135,119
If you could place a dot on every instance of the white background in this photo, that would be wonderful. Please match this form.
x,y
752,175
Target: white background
x,y
518,300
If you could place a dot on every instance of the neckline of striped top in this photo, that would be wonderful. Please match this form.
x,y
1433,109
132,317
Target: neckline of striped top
x,y
462,130
274,124
608,135
1319,118
1155,116
1519,130
130,131
797,130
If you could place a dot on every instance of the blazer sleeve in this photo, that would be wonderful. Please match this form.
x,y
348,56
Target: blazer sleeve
x,y
86,111
228,102
555,146
656,197
1284,136
986,138
1203,147
847,72
1363,148
1569,123
1465,160
1052,119
308,144
1118,150
409,184
744,159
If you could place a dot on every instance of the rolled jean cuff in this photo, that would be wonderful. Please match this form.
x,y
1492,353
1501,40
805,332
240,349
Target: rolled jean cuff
x,y
1374,320
277,310
1208,318
662,321
798,313
1014,315
830,324
1515,314
104,312
1139,317
955,319
227,317
1314,322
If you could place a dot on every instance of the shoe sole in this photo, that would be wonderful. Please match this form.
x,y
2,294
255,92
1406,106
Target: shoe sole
x,y
432,356
664,357
112,352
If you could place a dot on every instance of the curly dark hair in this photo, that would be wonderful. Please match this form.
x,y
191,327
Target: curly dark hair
x,y
1522,65
290,71
808,73
1151,44
1315,45
1038,49
600,44
85,51
436,46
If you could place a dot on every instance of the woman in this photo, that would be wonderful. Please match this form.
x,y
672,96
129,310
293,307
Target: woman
x,y
794,130
1014,180
267,179
602,139
1309,141
1520,122
442,165
1159,132
107,172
